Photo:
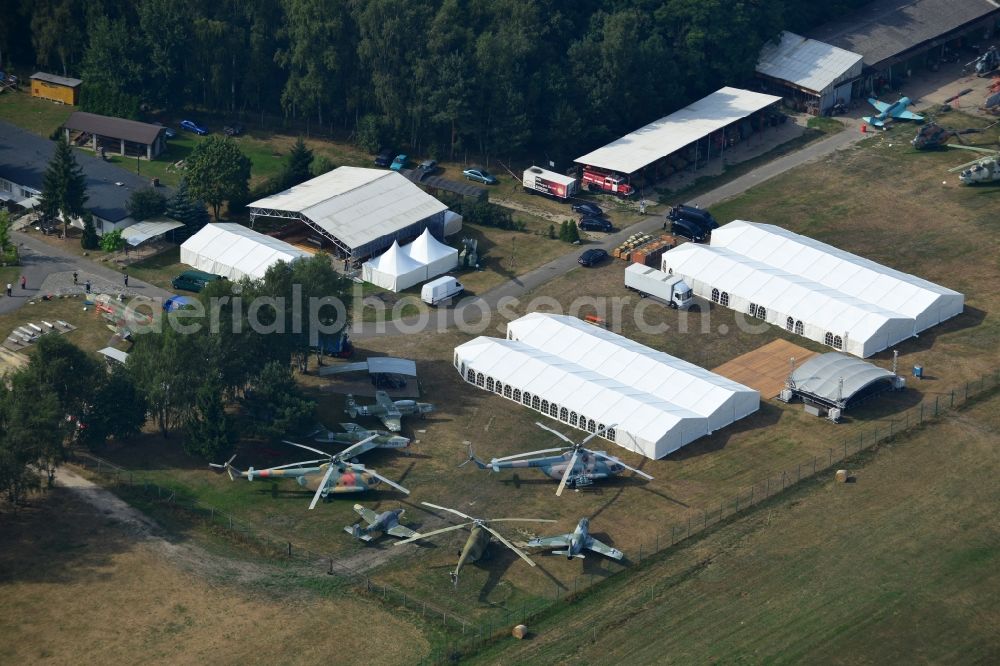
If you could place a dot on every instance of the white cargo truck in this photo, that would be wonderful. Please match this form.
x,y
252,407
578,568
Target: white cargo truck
x,y
538,180
670,289
441,289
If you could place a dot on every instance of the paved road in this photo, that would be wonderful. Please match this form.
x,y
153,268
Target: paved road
x,y
43,261
470,310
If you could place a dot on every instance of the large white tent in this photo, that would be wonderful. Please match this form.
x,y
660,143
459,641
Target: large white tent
x,y
394,270
432,253
667,377
588,377
235,252
810,288
923,301
579,397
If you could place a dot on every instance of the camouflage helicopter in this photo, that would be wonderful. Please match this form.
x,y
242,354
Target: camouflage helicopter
x,y
479,537
333,476
390,411
574,465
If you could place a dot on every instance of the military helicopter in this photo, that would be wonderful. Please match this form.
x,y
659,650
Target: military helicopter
x,y
479,537
391,412
983,170
933,135
574,465
334,475
985,63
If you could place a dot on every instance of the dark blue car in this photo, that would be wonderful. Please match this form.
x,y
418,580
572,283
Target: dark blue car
x,y
192,126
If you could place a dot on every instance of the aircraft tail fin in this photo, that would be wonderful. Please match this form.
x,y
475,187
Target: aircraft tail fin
x,y
351,407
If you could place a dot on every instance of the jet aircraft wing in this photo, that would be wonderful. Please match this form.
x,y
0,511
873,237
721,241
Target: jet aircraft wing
x,y
604,549
369,515
402,532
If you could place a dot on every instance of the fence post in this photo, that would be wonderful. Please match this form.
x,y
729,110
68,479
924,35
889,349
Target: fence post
x,y
640,552
952,398
936,405
798,473
689,526
751,493
289,549
767,488
737,503
706,518
783,472
921,411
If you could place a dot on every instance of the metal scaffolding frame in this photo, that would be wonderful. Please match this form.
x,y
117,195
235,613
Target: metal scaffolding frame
x,y
286,215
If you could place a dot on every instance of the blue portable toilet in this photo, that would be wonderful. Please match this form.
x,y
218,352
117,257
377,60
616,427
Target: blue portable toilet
x,y
918,371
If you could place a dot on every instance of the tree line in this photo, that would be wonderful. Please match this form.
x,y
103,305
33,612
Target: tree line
x,y
203,389
443,77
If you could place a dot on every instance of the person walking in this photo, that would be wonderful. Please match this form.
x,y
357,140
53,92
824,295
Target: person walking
x,y
86,286
24,282
125,275
74,277
9,289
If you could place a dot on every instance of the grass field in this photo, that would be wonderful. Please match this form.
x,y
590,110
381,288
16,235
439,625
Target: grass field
x,y
892,223
35,115
68,572
899,566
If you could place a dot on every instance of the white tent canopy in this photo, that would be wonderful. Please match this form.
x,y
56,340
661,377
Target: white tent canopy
x,y
235,252
587,377
140,232
667,135
910,296
579,397
393,270
432,253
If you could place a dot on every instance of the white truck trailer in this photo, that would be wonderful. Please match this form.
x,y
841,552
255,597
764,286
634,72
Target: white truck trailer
x,y
670,289
538,180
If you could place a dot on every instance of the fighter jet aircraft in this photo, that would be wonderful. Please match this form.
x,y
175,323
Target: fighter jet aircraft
x,y
391,412
895,111
354,433
386,522
575,542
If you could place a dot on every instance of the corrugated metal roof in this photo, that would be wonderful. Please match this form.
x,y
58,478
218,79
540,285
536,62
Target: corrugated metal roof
x,y
820,376
807,63
25,156
143,231
58,80
667,135
883,29
115,128
356,205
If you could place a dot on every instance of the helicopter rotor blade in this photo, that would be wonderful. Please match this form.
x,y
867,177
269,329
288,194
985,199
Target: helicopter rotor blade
x,y
522,520
599,431
444,508
308,448
514,548
568,472
607,457
387,481
422,535
530,453
322,486
304,462
556,433
357,449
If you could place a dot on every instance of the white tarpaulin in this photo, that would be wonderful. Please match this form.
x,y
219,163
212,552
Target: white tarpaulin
x,y
140,232
393,270
435,255
235,252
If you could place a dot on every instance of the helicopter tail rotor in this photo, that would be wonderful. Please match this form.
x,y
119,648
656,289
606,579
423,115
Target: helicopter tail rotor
x,y
226,467
473,459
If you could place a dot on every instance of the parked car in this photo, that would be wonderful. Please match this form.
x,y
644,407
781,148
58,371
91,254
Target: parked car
x,y
169,133
399,162
591,223
588,209
480,174
233,130
428,167
592,257
384,157
192,126
689,229
194,280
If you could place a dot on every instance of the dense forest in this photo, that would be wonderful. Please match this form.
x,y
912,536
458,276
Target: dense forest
x,y
439,76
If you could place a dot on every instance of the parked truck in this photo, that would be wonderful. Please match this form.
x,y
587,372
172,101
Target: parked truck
x,y
670,289
598,181
441,289
549,183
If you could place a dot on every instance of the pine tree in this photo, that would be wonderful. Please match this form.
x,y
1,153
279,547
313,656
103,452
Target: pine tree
x,y
185,208
572,232
297,168
208,431
64,189
89,239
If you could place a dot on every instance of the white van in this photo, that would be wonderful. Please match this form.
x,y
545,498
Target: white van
x,y
440,289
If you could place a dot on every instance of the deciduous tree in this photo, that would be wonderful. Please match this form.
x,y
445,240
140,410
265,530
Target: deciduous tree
x,y
218,171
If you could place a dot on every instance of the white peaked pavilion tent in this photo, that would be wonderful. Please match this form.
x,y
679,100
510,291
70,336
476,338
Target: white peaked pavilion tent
x,y
783,299
233,251
926,303
394,270
721,400
432,253
587,377
579,397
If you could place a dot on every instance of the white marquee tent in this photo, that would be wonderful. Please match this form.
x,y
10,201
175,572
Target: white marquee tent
x,y
235,252
432,253
926,303
394,270
577,373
